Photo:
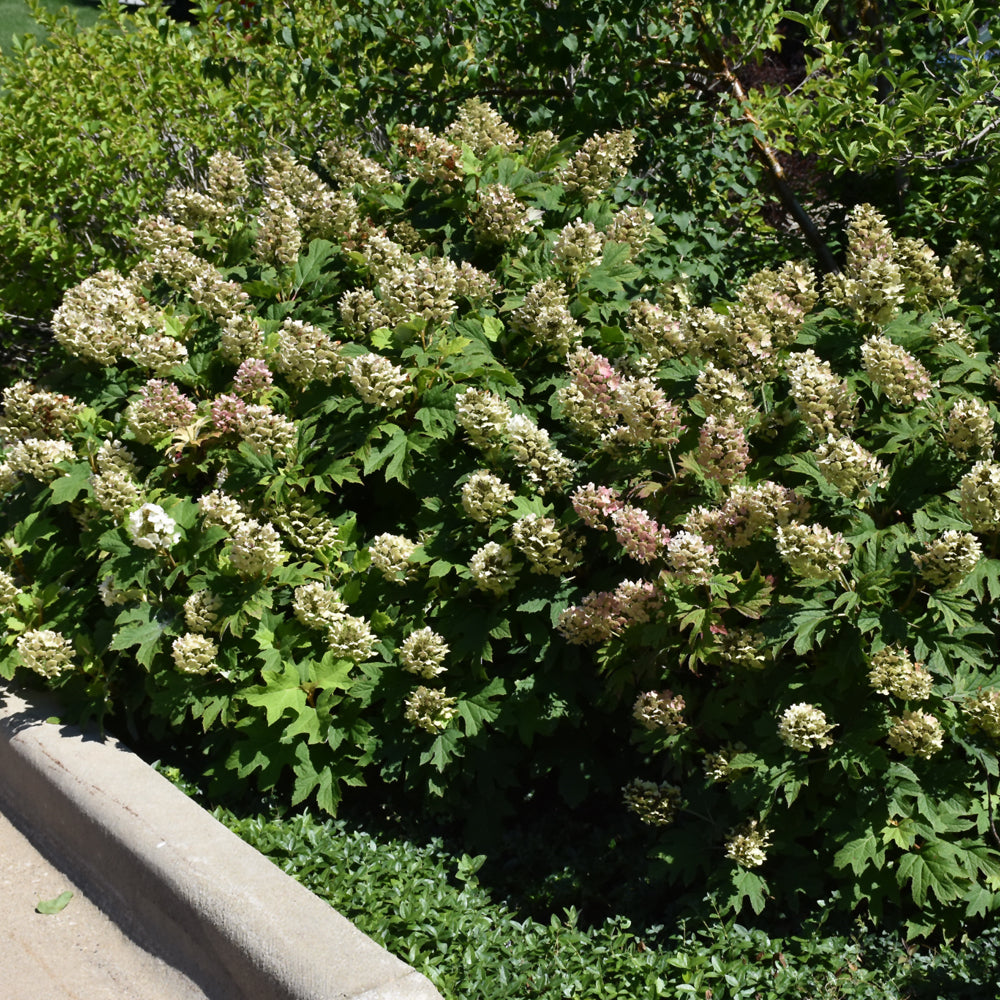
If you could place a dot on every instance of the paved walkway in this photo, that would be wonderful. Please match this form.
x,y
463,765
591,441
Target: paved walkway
x,y
76,954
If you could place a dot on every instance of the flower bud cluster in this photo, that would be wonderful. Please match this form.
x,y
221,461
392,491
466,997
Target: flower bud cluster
x,y
577,249
279,231
350,637
691,559
473,284
501,216
492,570
151,527
540,461
423,287
227,178
306,530
8,594
541,542
241,338
252,378
378,381
194,653
433,159
349,168
660,334
949,559
655,805
228,413
546,317
970,428
34,413
484,496
305,354
160,410
45,652
483,416
723,452
983,713
927,283
100,317
478,126
744,648
218,508
267,432
637,533
718,765
194,210
317,605
157,232
747,846
824,402
255,549
747,512
965,263
948,330
116,492
201,611
37,457
849,467
196,278
157,352
660,710
423,652
113,456
633,225
390,555
813,551
720,393
979,496
649,418
902,378
599,164
590,399
893,672
804,727
916,734
430,709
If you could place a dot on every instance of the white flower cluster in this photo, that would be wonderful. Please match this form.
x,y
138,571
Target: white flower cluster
x,y
541,542
304,354
8,593
723,452
577,249
745,648
152,528
970,428
979,496
390,555
37,457
659,333
157,352
691,559
813,551
850,468
501,216
267,432
660,710
116,492
478,126
348,167
948,560
484,496
891,671
201,611
160,409
35,413
255,549
983,711
45,652
916,734
902,378
483,416
430,709
599,164
196,278
218,508
423,652
633,225
492,570
540,461
545,315
720,393
747,846
378,381
316,605
194,653
804,727
350,637
823,401
655,805
241,338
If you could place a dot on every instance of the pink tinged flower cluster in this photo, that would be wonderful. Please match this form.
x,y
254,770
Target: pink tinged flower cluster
x,y
160,410
601,616
691,559
639,535
594,504
228,412
252,378
902,378
723,452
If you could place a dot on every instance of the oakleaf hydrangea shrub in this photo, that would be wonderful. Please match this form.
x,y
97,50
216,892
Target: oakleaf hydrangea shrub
x,y
429,471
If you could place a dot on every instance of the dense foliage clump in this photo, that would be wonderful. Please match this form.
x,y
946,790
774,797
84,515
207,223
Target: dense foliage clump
x,y
431,470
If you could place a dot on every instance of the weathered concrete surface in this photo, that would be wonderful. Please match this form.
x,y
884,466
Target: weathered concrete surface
x,y
175,880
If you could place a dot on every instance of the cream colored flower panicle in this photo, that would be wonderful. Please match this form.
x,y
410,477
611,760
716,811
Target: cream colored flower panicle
x,y
662,710
902,378
255,549
893,672
350,637
541,542
983,713
45,652
654,804
194,653
8,593
38,457
691,559
540,461
850,468
485,496
970,428
916,734
390,555
116,492
479,127
501,216
483,416
823,401
813,551
304,354
34,413
748,844
423,652
378,381
599,164
316,605
577,249
201,611
804,727
430,709
491,569
949,559
979,496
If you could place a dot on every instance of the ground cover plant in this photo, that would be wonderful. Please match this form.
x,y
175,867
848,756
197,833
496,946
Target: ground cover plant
x,y
16,19
428,471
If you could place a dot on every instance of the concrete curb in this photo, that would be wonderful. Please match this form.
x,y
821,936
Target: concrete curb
x,y
174,879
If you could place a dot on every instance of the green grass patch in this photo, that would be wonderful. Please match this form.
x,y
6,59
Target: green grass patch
x,y
16,19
